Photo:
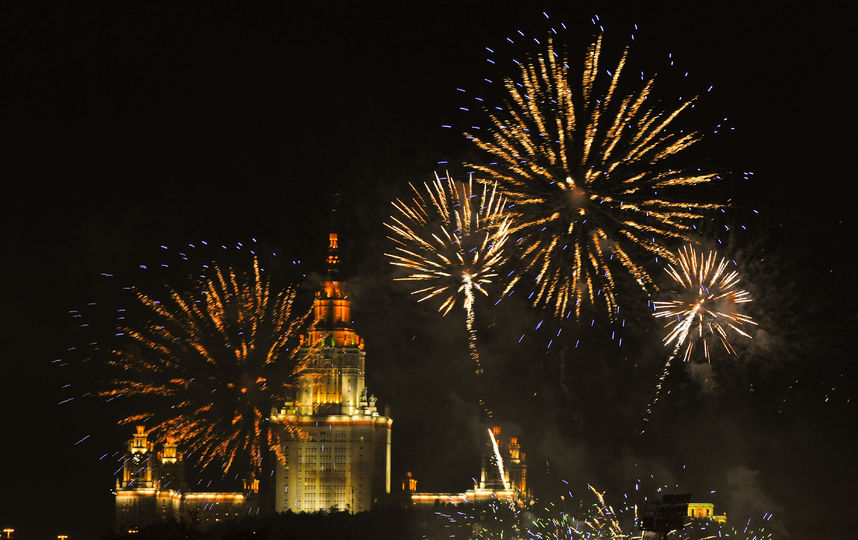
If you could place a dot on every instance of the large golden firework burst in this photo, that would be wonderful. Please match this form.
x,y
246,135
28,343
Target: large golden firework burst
x,y
591,179
206,366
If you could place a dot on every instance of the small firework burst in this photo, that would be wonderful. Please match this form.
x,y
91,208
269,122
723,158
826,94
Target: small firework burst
x,y
206,366
706,303
591,177
450,240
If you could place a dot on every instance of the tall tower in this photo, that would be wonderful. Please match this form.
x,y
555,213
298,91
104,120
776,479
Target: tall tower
x,y
172,467
137,488
344,460
334,378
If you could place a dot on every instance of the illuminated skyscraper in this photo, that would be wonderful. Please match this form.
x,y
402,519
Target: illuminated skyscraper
x,y
344,461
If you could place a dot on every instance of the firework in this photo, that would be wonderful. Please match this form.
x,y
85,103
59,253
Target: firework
x,y
450,240
498,459
605,520
591,178
705,306
561,520
206,366
708,297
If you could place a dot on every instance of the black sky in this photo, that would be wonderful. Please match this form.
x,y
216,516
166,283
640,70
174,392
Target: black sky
x,y
126,127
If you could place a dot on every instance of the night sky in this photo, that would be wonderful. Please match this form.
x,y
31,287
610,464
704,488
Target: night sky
x,y
126,128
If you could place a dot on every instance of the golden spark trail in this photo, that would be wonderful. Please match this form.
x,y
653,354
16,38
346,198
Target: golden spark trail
x,y
498,459
658,386
472,337
606,518
469,324
591,177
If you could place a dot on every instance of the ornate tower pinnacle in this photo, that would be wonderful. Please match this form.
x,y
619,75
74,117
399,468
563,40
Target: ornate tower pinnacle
x,y
171,453
333,257
333,249
140,443
332,307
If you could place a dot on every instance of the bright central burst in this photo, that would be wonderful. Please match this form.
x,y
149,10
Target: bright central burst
x,y
208,365
592,179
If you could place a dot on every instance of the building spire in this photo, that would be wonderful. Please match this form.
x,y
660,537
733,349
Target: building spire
x,y
333,258
140,443
332,324
333,249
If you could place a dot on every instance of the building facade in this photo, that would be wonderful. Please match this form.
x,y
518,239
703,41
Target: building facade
x,y
704,510
152,489
342,461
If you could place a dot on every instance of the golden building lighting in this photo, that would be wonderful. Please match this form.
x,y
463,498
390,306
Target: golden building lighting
x,y
702,510
152,489
344,460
